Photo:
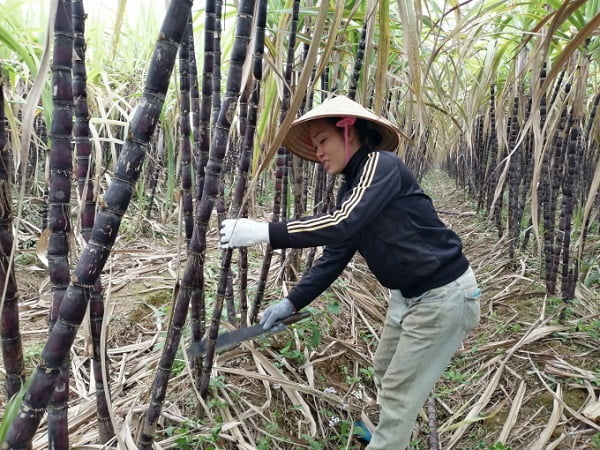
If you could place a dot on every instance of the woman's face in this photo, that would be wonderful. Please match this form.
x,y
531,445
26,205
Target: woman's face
x,y
329,144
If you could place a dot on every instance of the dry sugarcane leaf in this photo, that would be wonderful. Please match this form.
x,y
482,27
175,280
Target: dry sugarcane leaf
x,y
554,444
287,383
238,427
473,414
512,415
564,369
41,249
548,430
592,411
571,411
538,332
292,393
542,332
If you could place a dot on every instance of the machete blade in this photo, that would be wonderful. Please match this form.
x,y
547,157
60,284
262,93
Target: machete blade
x,y
231,339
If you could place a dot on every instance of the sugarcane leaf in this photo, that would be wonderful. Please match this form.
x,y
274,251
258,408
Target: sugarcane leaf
x,y
12,409
577,41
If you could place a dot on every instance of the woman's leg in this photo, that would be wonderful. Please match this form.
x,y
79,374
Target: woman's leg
x,y
431,331
392,330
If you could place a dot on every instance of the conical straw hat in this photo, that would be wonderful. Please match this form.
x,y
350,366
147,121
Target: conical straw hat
x,y
297,139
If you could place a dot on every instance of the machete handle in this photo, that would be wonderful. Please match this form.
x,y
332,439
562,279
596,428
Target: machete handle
x,y
296,317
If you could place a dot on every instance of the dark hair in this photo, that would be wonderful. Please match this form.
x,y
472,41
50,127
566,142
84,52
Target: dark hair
x,y
368,135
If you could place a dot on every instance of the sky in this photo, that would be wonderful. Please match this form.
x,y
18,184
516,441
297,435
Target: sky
x,y
105,10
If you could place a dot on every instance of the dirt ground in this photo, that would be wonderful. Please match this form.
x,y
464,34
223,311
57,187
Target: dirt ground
x,y
527,378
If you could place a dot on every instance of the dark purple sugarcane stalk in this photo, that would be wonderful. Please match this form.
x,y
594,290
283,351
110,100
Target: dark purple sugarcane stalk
x,y
543,99
237,208
156,167
481,159
280,168
106,226
553,241
557,88
527,170
197,301
214,168
569,274
246,149
358,62
216,74
10,334
194,94
216,106
296,169
202,138
195,263
514,179
185,135
59,208
287,76
492,178
434,436
87,194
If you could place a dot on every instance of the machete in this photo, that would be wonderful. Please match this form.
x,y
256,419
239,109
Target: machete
x,y
230,339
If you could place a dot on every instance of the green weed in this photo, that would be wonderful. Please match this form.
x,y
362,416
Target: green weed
x,y
32,354
455,376
291,353
499,446
592,328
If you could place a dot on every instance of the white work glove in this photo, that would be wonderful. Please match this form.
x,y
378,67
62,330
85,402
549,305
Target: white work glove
x,y
276,312
243,232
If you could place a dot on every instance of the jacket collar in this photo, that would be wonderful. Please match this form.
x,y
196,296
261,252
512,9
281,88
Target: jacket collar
x,y
355,163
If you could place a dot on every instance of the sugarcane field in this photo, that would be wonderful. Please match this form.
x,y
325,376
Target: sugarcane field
x,y
199,251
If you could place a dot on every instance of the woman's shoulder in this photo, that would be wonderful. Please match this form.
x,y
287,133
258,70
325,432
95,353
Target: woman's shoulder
x,y
386,158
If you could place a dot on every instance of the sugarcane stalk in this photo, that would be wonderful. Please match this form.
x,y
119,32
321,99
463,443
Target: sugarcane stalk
x,y
59,196
482,157
358,62
434,437
492,142
216,74
280,170
552,240
288,171
195,263
237,207
156,166
527,170
194,94
87,195
569,274
10,334
202,138
105,229
246,149
211,183
197,325
514,180
185,135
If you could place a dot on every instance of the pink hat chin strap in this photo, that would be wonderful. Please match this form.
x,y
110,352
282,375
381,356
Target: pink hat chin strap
x,y
346,123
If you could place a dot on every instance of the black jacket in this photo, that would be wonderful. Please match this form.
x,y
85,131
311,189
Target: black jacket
x,y
383,213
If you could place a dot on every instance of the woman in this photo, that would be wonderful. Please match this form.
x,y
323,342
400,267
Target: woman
x,y
384,215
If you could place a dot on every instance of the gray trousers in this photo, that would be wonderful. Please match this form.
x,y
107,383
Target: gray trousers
x,y
420,336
